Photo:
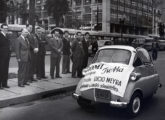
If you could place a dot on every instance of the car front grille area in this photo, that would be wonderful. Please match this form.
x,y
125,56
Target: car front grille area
x,y
102,94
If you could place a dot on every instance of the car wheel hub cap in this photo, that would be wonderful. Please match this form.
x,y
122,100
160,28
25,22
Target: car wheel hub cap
x,y
136,105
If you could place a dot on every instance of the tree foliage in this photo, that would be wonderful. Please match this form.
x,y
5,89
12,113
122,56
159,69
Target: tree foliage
x,y
3,10
57,8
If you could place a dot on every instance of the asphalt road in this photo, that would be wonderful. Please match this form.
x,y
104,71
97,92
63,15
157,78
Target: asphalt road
x,y
66,108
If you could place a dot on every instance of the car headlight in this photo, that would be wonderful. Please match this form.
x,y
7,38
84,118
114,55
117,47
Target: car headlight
x,y
134,76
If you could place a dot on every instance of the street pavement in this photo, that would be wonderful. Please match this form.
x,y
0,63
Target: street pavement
x,y
36,90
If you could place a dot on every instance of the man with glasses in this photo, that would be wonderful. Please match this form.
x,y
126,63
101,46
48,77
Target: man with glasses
x,y
4,56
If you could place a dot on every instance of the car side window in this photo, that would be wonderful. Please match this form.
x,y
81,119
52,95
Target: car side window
x,y
137,62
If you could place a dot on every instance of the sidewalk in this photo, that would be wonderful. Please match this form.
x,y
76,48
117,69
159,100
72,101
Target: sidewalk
x,y
36,90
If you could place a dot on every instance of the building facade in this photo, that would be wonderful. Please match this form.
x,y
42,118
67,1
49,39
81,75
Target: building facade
x,y
135,16
42,17
115,16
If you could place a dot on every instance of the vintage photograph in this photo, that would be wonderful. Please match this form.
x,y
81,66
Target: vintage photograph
x,y
82,59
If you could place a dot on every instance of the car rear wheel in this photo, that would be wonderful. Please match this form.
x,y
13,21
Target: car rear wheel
x,y
135,104
84,103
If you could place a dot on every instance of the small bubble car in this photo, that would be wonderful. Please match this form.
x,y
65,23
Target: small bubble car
x,y
121,76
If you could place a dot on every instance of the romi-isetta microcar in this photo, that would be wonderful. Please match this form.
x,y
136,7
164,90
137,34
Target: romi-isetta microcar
x,y
121,76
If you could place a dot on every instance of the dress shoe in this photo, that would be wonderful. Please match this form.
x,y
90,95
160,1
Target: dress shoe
x,y
58,77
52,77
21,85
27,84
34,80
6,87
44,77
1,88
80,76
39,78
74,77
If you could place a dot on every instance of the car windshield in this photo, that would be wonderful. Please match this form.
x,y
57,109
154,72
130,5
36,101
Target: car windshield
x,y
113,56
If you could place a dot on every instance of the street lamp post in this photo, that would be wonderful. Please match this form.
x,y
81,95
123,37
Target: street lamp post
x,y
97,15
122,21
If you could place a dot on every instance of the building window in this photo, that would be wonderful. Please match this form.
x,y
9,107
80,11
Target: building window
x,y
87,18
38,1
87,9
78,2
87,2
98,1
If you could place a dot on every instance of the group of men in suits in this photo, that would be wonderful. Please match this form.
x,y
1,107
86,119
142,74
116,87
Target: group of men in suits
x,y
30,53
75,49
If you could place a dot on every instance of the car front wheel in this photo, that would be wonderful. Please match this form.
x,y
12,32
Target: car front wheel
x,y
135,104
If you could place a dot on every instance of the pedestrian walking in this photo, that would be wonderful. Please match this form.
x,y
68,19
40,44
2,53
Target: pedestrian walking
x,y
33,51
155,48
40,68
56,46
4,56
23,56
77,56
66,53
85,43
94,46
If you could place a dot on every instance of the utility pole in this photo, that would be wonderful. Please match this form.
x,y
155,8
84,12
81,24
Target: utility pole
x,y
97,17
32,14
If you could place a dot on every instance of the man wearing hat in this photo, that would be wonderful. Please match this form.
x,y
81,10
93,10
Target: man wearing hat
x,y
56,46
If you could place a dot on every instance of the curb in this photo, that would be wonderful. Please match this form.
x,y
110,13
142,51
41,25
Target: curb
x,y
32,97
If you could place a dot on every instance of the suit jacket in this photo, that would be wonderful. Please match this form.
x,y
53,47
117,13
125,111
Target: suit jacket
x,y
85,46
4,44
66,46
22,50
56,47
77,50
41,43
33,41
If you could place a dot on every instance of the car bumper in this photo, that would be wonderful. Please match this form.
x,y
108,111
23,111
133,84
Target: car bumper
x,y
112,103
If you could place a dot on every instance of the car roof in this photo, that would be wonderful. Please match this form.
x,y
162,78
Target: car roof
x,y
130,48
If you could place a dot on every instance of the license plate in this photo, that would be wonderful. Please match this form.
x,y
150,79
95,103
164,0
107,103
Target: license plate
x,y
102,94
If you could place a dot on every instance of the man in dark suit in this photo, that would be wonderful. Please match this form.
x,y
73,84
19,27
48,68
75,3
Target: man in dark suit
x,y
4,56
85,43
22,50
77,56
33,51
155,48
66,53
40,71
56,50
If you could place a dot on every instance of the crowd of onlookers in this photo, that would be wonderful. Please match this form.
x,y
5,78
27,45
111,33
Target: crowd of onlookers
x,y
30,50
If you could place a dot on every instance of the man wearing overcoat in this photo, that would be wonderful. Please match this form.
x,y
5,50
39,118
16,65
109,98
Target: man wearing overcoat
x,y
4,56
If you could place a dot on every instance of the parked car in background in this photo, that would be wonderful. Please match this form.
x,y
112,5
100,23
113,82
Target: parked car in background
x,y
161,44
138,42
120,76
148,43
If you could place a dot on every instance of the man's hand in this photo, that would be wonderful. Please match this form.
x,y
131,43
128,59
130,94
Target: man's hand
x,y
19,60
35,50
